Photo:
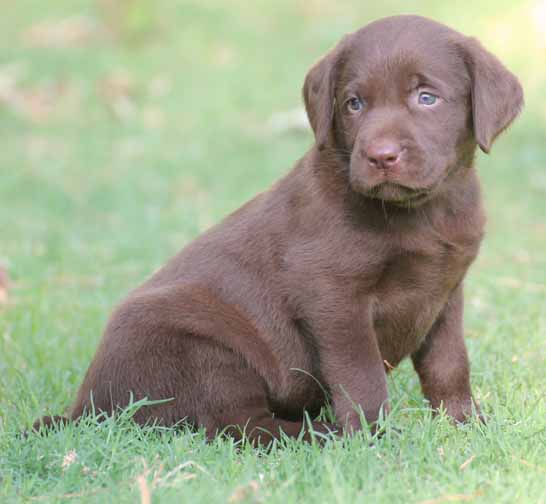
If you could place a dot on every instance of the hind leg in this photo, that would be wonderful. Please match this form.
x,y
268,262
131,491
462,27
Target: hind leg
x,y
208,385
244,412
260,427
235,403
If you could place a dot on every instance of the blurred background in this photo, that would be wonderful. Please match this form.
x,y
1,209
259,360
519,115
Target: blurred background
x,y
127,127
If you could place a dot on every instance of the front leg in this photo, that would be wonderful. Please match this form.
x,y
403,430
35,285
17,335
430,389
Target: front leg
x,y
442,362
352,366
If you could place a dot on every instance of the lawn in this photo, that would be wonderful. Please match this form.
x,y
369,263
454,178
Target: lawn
x,y
126,129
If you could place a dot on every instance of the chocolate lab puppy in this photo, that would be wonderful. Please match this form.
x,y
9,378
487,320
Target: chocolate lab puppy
x,y
350,263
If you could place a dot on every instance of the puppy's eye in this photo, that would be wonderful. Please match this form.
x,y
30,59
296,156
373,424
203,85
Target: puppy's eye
x,y
427,99
354,105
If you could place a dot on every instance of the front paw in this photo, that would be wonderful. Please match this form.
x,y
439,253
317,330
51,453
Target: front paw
x,y
356,421
463,410
350,422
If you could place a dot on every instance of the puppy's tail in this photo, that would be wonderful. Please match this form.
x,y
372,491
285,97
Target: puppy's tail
x,y
48,423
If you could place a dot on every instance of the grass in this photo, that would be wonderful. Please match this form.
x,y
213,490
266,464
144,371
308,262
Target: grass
x,y
122,143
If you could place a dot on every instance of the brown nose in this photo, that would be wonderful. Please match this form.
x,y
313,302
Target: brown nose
x,y
383,155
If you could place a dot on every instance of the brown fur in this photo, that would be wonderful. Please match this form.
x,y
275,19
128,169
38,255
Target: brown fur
x,y
347,265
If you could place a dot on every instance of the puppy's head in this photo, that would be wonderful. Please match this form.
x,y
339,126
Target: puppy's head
x,y
404,101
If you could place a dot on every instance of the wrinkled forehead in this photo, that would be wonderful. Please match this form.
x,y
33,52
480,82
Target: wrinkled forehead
x,y
405,55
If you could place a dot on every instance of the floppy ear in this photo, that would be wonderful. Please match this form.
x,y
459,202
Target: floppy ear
x,y
319,95
497,96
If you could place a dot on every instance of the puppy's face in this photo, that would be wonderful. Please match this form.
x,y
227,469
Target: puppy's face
x,y
402,112
404,101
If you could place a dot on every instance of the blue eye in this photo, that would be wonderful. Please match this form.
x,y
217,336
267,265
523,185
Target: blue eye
x,y
427,99
354,105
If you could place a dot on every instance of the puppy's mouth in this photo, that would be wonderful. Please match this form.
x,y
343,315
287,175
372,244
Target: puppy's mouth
x,y
398,194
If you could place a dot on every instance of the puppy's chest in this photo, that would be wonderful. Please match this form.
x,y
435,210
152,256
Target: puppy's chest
x,y
410,290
